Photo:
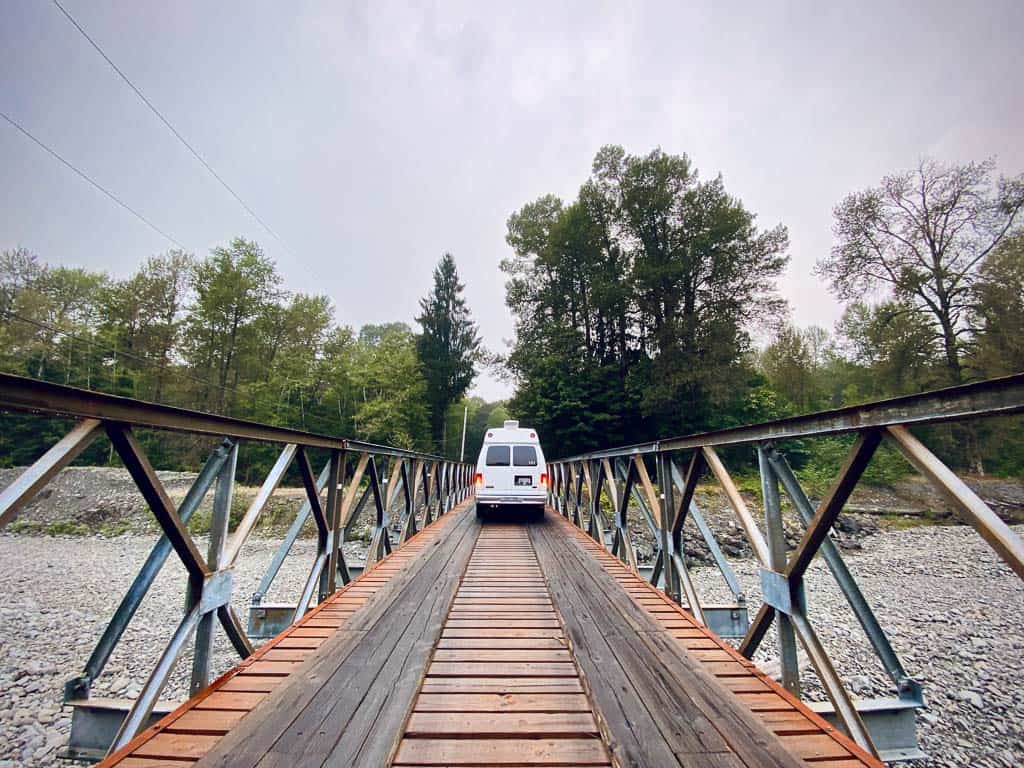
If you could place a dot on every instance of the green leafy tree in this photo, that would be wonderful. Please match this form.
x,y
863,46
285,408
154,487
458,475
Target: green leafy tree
x,y
449,346
234,287
921,236
392,407
633,304
997,311
795,364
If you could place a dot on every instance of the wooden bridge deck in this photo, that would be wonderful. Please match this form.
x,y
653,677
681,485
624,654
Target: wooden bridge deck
x,y
494,645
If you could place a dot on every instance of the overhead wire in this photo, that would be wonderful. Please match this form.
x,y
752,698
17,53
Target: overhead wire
x,y
170,127
82,174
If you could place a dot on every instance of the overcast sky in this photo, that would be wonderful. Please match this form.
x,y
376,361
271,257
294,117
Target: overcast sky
x,y
374,137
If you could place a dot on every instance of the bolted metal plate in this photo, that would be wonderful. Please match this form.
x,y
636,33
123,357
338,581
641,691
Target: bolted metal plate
x,y
216,590
775,591
891,722
269,619
729,621
95,722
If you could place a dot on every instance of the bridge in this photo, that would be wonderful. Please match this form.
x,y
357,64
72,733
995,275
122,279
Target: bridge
x,y
464,641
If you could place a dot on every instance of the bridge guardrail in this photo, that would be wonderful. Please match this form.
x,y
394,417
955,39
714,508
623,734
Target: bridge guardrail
x,y
357,476
652,478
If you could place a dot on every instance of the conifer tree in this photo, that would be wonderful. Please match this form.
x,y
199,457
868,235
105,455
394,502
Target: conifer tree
x,y
449,346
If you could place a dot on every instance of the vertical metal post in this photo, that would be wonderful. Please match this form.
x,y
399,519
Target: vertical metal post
x,y
335,532
908,687
218,535
597,478
666,509
776,536
78,687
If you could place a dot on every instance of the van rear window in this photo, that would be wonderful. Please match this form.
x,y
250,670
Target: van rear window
x,y
497,455
524,456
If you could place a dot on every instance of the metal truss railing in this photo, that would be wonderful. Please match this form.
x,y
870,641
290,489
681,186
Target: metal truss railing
x,y
660,478
357,477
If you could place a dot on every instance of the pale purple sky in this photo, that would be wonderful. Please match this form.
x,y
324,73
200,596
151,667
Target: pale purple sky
x,y
373,137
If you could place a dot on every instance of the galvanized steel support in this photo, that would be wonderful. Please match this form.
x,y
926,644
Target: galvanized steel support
x,y
219,520
78,687
210,578
777,561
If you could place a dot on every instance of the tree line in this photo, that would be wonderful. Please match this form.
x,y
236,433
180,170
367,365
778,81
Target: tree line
x,y
222,334
645,307
639,305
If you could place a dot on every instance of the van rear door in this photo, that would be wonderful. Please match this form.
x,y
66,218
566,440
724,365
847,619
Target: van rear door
x,y
525,466
498,467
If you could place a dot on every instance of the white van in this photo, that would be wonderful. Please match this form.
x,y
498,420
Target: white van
x,y
511,472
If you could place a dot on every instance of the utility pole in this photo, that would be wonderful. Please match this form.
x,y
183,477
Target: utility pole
x,y
465,417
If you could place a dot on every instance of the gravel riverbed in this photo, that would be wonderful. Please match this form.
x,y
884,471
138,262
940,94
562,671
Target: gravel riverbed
x,y
954,613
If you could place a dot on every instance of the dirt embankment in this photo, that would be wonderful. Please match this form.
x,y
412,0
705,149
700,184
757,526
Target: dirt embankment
x,y
104,501
910,502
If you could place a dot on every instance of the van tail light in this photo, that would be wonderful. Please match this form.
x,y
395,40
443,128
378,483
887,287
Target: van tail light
x,y
544,481
479,480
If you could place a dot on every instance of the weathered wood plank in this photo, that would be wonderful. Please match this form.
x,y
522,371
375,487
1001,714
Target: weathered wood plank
x,y
657,702
522,725
497,752
304,718
502,685
508,702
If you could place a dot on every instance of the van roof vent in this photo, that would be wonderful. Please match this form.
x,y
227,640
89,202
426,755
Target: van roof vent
x,y
511,425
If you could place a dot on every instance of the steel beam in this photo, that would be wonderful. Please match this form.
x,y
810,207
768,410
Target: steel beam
x,y
287,543
28,483
159,502
248,521
986,522
777,560
754,537
728,574
850,718
143,706
817,530
218,535
78,687
995,397
908,688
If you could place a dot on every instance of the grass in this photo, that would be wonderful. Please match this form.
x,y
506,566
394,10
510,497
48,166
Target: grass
x,y
58,528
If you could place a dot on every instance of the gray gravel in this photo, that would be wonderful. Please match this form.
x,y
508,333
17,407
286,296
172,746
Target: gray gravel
x,y
954,613
58,595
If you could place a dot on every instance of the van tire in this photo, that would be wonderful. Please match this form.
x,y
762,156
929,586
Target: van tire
x,y
480,513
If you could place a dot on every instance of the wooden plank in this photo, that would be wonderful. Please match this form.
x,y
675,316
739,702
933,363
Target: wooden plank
x,y
509,623
211,721
501,655
502,669
522,643
815,746
495,702
506,632
347,703
522,725
657,702
502,685
177,746
153,762
497,752
221,699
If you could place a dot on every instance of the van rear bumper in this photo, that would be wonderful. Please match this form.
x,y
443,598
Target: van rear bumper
x,y
509,500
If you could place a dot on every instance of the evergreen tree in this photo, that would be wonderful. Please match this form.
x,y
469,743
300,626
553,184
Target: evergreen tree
x,y
449,346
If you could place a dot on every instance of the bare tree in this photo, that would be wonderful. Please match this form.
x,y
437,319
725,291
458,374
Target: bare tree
x,y
922,235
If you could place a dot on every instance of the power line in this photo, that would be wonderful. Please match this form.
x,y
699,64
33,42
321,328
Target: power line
x,y
170,127
53,153
10,314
